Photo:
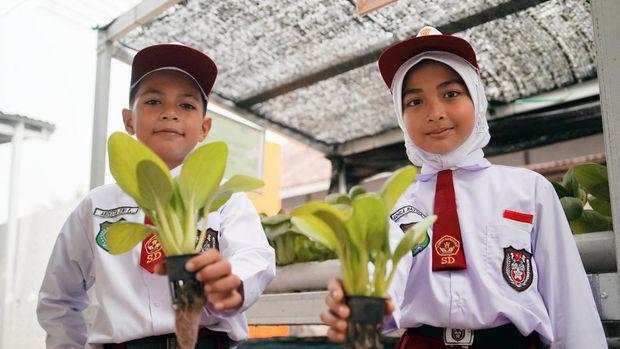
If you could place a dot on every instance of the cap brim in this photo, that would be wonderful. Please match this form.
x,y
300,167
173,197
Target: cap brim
x,y
164,56
394,56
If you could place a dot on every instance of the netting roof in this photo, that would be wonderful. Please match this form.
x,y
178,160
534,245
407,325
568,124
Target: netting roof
x,y
308,65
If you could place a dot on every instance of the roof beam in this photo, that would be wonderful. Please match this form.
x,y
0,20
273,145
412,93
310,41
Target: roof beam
x,y
139,15
477,19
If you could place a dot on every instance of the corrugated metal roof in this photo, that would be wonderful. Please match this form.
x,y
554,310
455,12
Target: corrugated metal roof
x,y
261,46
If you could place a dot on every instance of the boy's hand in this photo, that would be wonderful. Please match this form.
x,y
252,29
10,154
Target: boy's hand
x,y
223,289
338,312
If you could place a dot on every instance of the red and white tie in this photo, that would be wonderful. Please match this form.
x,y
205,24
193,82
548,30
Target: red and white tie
x,y
448,253
152,253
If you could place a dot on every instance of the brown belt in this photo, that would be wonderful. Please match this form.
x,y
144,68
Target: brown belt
x,y
207,339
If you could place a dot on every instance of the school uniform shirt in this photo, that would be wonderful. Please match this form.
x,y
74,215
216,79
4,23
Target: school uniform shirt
x,y
134,303
527,274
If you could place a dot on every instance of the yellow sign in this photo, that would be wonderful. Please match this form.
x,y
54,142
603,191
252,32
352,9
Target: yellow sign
x,y
267,199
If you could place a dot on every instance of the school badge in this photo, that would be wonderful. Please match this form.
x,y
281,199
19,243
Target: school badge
x,y
447,247
417,248
517,268
102,236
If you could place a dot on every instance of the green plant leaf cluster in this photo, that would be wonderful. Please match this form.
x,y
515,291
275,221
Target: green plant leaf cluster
x,y
290,244
174,204
584,195
356,228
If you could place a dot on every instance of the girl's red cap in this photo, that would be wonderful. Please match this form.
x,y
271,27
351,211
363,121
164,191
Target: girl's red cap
x,y
428,39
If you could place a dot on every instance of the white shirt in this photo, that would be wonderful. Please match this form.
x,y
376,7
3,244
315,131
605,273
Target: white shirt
x,y
558,304
133,303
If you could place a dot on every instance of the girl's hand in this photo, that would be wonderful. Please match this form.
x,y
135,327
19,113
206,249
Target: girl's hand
x,y
338,312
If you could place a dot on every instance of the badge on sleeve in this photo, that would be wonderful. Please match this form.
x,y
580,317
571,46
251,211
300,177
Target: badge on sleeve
x,y
102,236
517,268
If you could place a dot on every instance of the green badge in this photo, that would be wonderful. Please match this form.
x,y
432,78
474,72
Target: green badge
x,y
102,236
419,247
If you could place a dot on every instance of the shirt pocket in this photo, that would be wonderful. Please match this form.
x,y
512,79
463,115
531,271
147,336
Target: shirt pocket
x,y
510,262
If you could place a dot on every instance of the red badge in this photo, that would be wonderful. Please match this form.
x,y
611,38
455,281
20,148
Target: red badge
x,y
517,268
518,216
152,252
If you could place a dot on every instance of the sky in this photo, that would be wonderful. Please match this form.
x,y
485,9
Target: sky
x,y
47,72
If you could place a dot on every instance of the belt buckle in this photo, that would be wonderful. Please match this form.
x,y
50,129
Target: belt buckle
x,y
458,337
171,343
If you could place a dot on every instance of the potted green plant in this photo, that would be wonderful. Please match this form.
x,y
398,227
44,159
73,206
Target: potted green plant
x,y
584,194
358,232
174,205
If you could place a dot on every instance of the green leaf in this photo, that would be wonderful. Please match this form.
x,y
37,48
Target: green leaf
x,y
569,182
314,206
356,190
578,226
238,183
123,236
154,184
394,187
596,222
124,154
317,230
599,205
593,178
201,174
338,198
560,190
276,219
573,208
414,236
368,224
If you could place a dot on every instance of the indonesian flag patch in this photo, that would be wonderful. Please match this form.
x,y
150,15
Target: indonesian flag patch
x,y
517,268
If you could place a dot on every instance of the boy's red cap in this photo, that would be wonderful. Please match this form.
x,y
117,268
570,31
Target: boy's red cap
x,y
428,39
193,63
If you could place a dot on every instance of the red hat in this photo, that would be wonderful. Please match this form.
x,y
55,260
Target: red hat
x,y
428,39
195,64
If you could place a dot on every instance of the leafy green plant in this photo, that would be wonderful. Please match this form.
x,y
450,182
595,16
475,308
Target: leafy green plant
x,y
290,244
358,232
584,194
173,204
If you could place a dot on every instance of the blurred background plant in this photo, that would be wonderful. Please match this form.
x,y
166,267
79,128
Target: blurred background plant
x,y
584,194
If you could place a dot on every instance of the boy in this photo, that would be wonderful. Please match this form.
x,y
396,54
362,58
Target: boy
x,y
502,269
170,85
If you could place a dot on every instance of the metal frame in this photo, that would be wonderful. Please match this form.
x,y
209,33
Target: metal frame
x,y
606,28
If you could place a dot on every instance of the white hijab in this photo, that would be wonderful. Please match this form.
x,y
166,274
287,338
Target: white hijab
x,y
468,155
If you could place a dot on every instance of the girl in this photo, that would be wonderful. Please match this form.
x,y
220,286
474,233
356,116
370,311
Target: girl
x,y
502,268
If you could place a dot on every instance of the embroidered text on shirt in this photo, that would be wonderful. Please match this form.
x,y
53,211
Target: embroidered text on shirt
x,y
115,212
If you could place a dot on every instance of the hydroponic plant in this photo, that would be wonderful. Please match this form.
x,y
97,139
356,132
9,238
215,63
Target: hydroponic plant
x,y
174,205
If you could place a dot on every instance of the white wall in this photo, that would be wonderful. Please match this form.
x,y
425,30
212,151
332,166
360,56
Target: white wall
x,y
47,72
